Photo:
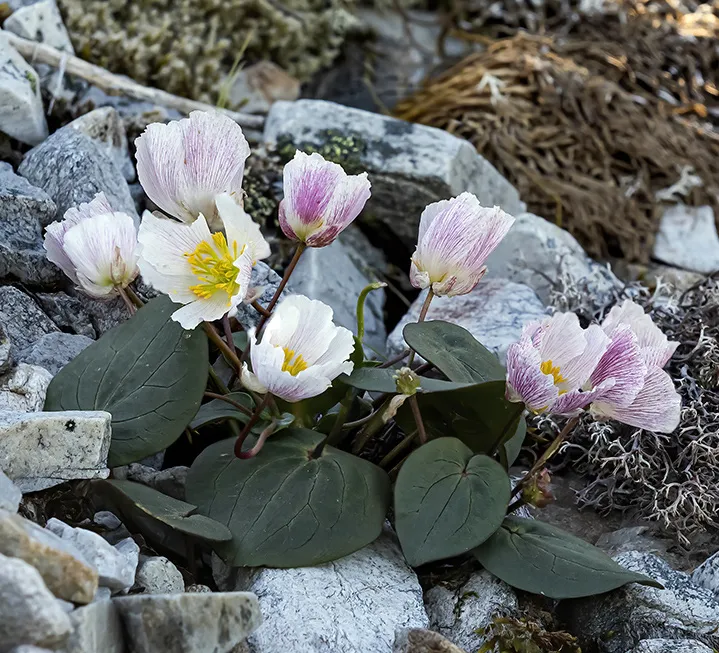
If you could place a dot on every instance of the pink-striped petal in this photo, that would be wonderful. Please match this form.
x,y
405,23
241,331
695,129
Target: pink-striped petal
x,y
525,380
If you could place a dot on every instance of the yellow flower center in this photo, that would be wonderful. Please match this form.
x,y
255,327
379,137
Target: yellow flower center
x,y
293,364
548,368
214,266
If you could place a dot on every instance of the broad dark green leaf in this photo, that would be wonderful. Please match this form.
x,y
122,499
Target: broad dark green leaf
x,y
447,500
513,446
374,379
286,509
218,410
536,557
454,351
148,373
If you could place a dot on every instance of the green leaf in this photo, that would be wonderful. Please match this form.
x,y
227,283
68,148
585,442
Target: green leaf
x,y
447,501
285,508
513,446
148,373
374,379
536,557
454,351
163,520
218,410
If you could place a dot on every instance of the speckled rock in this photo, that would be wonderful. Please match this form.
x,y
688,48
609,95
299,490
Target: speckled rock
x,y
115,565
81,314
538,254
157,575
355,604
23,388
634,613
707,574
72,168
21,318
264,277
63,568
10,494
188,623
6,355
420,640
40,21
409,165
54,350
29,613
671,646
96,628
460,613
39,450
494,313
687,238
170,481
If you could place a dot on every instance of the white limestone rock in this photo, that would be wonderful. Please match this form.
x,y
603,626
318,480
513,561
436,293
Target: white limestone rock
x,y
96,628
687,238
707,574
157,575
671,646
42,22
23,389
10,494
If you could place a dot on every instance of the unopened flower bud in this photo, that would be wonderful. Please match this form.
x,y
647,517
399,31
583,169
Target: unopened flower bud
x,y
538,491
407,381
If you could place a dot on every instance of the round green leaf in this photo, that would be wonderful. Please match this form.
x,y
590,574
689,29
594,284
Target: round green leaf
x,y
375,379
149,373
218,410
286,508
447,500
536,557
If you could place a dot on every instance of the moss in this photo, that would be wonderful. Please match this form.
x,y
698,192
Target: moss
x,y
32,79
345,149
188,47
524,635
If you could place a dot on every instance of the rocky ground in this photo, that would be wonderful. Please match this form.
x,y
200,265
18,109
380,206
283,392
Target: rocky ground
x,y
73,578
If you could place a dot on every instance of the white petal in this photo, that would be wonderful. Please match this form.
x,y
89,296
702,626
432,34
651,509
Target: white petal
x,y
562,340
54,246
241,228
250,381
578,370
166,243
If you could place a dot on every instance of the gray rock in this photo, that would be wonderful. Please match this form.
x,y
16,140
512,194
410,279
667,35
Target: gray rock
x,y
102,594
538,254
24,211
420,640
634,613
29,613
354,605
188,623
96,628
461,614
54,350
169,481
65,572
687,238
115,565
632,538
23,389
263,276
72,168
653,274
494,313
330,275
39,450
198,589
21,112
107,520
83,315
671,646
21,318
6,357
707,574
409,165
106,128
157,575
256,87
42,22
28,648
10,494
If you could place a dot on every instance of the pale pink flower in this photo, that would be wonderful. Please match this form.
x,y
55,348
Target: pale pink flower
x,y
95,247
301,351
186,163
321,199
455,238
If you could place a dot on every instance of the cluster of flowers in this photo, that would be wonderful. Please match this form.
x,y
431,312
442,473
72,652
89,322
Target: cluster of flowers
x,y
202,253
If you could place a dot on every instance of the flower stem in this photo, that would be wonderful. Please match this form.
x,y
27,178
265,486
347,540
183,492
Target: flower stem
x,y
414,405
254,418
232,402
213,335
228,333
335,433
360,306
542,460
134,297
398,449
260,309
393,361
422,316
245,455
286,277
131,308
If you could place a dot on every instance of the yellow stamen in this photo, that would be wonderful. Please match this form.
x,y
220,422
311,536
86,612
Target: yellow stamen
x,y
547,368
293,364
213,265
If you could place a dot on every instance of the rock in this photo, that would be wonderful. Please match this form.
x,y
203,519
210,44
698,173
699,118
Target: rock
x,y
29,613
65,572
21,112
83,315
21,318
409,165
634,613
96,628
107,520
10,494
632,538
106,128
255,88
687,238
354,604
24,212
42,22
494,313
198,589
102,594
671,646
707,574
462,614
54,350
263,276
72,168
40,450
538,254
188,623
652,274
419,640
6,358
157,575
24,388
317,276
115,565
169,481
27,648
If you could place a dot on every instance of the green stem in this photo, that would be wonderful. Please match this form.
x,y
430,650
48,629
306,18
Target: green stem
x,y
134,297
398,449
422,316
335,433
373,425
360,305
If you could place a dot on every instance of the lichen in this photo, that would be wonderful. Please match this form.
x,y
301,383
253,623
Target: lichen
x,y
32,79
188,47
346,150
524,635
